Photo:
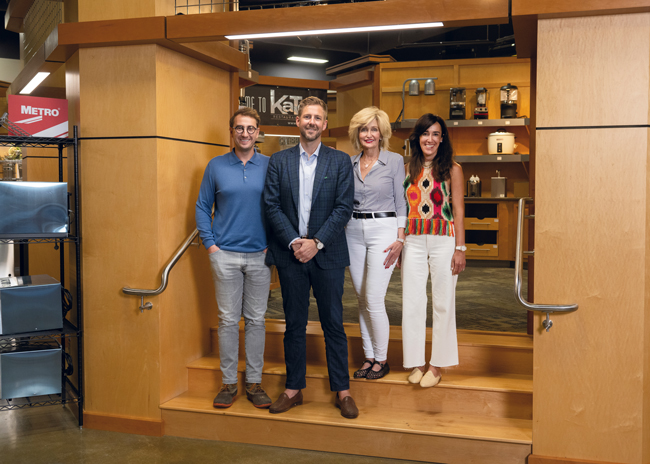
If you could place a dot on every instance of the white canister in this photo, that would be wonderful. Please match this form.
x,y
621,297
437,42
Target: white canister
x,y
501,143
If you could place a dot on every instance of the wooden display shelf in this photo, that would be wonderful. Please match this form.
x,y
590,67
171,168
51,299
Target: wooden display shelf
x,y
492,158
451,123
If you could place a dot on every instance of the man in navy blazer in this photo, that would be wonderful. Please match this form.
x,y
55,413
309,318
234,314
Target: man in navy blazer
x,y
308,194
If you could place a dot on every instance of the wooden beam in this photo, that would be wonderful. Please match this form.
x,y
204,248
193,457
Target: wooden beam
x,y
15,14
453,13
354,78
564,9
290,82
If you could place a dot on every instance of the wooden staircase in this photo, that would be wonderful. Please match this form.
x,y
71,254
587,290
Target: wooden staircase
x,y
481,412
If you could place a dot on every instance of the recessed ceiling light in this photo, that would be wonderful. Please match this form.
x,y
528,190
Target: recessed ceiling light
x,y
334,31
36,80
307,60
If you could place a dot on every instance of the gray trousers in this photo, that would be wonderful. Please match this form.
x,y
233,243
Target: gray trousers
x,y
241,282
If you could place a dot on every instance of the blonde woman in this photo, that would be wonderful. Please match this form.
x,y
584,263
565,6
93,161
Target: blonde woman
x,y
375,234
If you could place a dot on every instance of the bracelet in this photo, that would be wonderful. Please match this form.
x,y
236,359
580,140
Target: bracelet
x,y
401,240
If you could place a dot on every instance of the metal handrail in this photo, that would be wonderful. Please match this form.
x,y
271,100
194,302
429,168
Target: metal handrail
x,y
519,273
165,275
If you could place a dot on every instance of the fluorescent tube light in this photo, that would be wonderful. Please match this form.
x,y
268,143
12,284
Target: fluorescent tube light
x,y
35,82
307,60
334,31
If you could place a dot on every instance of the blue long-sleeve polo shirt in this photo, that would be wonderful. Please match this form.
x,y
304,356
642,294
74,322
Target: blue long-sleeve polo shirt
x,y
236,192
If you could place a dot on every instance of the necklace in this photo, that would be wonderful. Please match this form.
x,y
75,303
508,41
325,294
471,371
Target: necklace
x,y
365,165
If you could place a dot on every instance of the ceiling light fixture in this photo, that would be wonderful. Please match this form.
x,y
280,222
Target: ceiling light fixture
x,y
35,82
335,31
307,60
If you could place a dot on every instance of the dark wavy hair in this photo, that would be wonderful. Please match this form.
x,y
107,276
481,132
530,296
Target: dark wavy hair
x,y
444,159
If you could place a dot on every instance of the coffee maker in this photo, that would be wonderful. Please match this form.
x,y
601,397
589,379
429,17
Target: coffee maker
x,y
481,111
509,101
457,103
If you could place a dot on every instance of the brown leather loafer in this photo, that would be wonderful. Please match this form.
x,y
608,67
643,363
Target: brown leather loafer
x,y
284,403
347,406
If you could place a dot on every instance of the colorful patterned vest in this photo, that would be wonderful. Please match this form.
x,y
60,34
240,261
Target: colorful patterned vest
x,y
428,209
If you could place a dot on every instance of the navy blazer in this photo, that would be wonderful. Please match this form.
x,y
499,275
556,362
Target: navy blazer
x,y
331,207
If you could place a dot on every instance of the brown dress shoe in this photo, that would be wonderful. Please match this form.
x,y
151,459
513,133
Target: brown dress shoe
x,y
284,403
347,406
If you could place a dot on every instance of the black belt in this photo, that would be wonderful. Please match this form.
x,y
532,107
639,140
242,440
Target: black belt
x,y
373,215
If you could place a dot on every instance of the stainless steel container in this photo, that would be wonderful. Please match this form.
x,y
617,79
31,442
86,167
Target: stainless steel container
x,y
30,303
498,186
33,209
474,187
30,371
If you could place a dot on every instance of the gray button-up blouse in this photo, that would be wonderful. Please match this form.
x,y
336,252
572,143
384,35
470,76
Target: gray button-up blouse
x,y
382,189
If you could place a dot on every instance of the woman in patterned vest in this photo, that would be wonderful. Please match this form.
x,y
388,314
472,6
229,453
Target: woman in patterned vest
x,y
435,242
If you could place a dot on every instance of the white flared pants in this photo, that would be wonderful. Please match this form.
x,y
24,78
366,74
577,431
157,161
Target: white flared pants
x,y
423,254
367,239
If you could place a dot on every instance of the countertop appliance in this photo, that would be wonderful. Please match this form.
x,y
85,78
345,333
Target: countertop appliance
x,y
474,186
33,209
501,143
457,103
32,370
481,110
29,304
509,95
498,186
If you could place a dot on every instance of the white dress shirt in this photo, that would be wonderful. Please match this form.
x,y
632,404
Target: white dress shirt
x,y
307,175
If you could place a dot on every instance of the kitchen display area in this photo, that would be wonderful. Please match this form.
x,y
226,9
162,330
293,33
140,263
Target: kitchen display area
x,y
486,104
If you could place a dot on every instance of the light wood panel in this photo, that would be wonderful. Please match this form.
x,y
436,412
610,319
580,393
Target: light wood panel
x,y
120,248
554,8
604,71
493,395
188,307
534,459
351,101
581,259
436,437
191,97
453,13
126,73
92,10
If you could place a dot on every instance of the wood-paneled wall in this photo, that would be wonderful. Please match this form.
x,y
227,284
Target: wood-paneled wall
x,y
155,118
592,369
94,10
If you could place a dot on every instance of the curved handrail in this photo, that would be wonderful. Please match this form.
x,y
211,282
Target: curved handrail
x,y
165,274
519,273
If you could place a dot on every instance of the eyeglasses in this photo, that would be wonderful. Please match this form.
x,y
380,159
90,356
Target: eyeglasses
x,y
249,129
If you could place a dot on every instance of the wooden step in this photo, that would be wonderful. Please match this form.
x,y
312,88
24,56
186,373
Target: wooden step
x,y
378,431
479,352
491,395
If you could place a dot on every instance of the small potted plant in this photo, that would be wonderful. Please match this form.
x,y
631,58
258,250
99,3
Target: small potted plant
x,y
12,164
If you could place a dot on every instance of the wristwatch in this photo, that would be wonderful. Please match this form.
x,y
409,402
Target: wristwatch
x,y
319,244
461,248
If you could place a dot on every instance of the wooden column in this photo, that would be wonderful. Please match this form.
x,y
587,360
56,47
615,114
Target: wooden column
x,y
150,120
592,369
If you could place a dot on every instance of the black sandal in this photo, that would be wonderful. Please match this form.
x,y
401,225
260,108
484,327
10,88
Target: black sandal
x,y
362,373
373,375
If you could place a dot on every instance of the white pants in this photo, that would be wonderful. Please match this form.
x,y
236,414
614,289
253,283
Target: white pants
x,y
421,254
367,239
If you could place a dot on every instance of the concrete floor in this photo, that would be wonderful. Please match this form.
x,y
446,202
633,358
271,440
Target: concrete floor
x,y
51,435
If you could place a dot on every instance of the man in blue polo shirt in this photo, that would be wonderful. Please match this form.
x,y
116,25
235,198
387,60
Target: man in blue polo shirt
x,y
236,243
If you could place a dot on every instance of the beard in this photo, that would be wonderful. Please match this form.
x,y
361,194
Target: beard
x,y
306,136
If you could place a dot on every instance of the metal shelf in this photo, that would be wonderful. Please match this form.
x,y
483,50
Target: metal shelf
x,y
71,396
24,240
39,142
452,123
68,330
493,159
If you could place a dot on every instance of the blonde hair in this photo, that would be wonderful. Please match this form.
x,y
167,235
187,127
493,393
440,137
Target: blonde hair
x,y
365,117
